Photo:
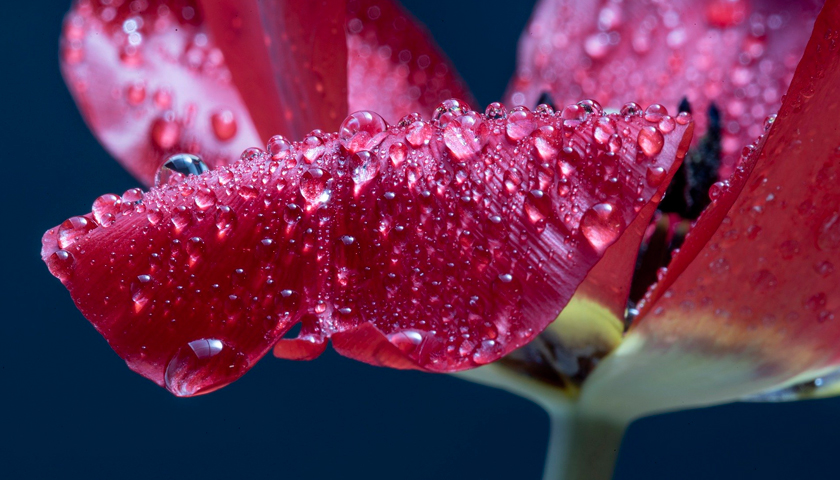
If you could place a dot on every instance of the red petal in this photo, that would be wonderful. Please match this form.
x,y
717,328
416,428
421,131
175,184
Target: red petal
x,y
150,82
288,58
394,67
757,272
737,53
444,246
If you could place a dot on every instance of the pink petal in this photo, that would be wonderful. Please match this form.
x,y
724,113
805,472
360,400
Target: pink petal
x,y
437,245
756,276
288,58
739,54
394,67
150,81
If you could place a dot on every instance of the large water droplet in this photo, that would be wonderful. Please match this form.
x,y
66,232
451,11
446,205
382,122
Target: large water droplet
x,y
71,229
650,141
828,235
601,225
202,366
359,128
105,208
520,124
278,147
448,110
177,167
463,135
314,185
365,166
60,264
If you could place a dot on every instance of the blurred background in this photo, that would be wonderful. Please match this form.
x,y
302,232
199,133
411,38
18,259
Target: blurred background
x,y
72,408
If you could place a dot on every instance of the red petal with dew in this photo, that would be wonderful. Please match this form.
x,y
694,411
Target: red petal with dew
x,y
437,245
756,275
739,54
288,58
150,82
394,67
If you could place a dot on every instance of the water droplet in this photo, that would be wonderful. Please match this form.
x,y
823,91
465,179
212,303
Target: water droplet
x,y
313,148
314,185
512,179
181,217
397,153
224,124
655,113
359,128
520,123
548,143
287,301
105,208
828,235
205,198
667,124
448,110
177,167
604,130
655,176
763,281
719,266
407,341
60,264
631,109
225,220
495,111
71,229
650,140
365,166
418,134
135,93
463,135
717,189
165,131
202,366
278,147
683,118
601,225
768,122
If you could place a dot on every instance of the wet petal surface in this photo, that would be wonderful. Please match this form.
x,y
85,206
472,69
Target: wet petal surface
x,y
394,66
739,54
750,294
438,245
150,81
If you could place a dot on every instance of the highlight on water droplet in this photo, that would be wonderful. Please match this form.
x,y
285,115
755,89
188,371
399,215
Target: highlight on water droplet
x,y
202,366
601,225
177,167
650,141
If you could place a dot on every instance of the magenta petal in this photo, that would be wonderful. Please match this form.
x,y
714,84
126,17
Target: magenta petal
x,y
441,245
149,82
287,58
756,276
739,54
394,67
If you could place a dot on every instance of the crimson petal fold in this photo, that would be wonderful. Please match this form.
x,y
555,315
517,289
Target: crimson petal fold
x,y
438,245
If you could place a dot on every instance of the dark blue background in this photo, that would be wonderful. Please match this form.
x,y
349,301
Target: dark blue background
x,y
71,408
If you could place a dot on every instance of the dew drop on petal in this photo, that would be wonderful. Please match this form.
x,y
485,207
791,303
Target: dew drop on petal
x,y
520,124
165,131
601,225
202,366
314,185
60,264
651,141
278,147
828,234
177,167
359,128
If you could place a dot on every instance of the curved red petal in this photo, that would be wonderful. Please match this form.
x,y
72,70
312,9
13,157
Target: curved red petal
x,y
758,268
438,245
394,67
149,81
739,54
288,58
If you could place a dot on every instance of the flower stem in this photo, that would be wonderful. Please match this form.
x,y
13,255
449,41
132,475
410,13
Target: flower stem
x,y
581,447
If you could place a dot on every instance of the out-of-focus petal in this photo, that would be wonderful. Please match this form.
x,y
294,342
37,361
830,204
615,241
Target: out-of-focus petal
x,y
749,302
394,67
150,81
443,245
287,58
740,54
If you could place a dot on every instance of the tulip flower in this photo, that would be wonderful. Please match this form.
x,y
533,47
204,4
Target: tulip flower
x,y
505,247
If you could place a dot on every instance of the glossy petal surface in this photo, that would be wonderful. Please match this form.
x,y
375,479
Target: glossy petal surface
x,y
288,58
749,301
741,54
394,66
150,81
440,245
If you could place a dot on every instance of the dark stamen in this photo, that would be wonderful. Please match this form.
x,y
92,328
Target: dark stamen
x,y
545,98
684,106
